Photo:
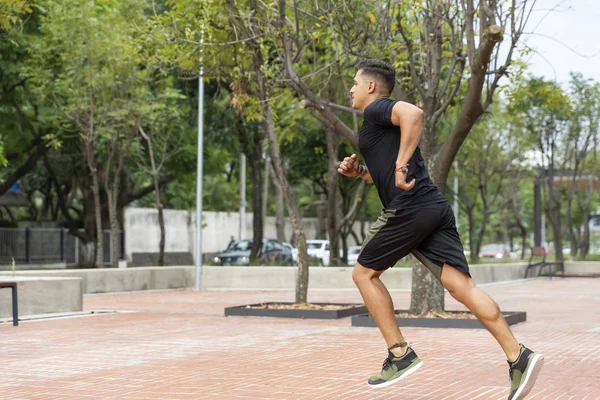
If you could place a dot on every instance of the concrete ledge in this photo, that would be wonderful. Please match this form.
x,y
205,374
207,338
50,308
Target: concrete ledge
x,y
30,267
284,278
42,295
582,267
104,280
490,273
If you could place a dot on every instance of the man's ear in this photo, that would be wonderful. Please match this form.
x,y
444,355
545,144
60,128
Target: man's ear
x,y
372,86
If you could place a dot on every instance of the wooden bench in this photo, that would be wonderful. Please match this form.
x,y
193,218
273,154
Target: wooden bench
x,y
15,309
538,259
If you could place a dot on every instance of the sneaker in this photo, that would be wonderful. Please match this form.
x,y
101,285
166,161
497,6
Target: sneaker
x,y
523,373
395,368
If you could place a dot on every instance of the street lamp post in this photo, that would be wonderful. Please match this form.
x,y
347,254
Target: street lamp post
x,y
199,170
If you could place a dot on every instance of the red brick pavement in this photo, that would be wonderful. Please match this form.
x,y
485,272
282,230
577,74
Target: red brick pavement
x,y
178,345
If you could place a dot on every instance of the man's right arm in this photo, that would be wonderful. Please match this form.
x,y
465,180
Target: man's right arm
x,y
350,167
367,177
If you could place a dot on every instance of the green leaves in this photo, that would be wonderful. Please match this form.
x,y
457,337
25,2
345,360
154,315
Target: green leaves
x,y
12,12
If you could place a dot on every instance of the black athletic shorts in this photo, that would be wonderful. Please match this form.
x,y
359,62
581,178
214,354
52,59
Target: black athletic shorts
x,y
428,232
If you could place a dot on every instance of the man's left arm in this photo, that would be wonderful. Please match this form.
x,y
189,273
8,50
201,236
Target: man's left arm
x,y
410,120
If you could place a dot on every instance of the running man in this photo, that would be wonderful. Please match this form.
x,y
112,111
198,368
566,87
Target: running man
x,y
416,219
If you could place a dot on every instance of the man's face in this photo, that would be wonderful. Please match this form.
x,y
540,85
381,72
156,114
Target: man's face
x,y
360,91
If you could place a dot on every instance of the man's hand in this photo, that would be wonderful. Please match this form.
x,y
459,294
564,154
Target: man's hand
x,y
349,166
401,179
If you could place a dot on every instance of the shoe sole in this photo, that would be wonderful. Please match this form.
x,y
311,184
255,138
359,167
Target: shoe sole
x,y
532,374
404,375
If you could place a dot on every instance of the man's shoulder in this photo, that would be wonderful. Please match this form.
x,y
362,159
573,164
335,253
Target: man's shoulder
x,y
380,111
381,103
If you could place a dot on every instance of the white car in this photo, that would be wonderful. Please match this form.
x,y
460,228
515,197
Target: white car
x,y
293,250
318,249
353,253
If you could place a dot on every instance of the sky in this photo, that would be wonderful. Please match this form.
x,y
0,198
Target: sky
x,y
564,36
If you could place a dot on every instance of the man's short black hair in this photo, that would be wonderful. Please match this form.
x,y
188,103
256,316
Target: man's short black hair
x,y
382,72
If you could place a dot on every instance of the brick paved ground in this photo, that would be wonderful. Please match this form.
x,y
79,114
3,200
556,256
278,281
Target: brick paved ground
x,y
178,345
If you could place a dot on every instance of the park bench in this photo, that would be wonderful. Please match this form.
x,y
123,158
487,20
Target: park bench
x,y
15,309
538,260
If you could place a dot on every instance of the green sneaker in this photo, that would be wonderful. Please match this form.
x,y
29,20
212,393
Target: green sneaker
x,y
395,368
523,373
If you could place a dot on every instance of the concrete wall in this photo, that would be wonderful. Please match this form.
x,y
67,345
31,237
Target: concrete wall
x,y
582,267
336,277
250,278
21,267
489,273
104,280
142,232
46,295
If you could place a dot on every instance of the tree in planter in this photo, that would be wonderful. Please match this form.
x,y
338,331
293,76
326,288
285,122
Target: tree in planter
x,y
427,46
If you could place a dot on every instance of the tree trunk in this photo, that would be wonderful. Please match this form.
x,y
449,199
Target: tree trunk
x,y
585,238
251,144
573,236
161,224
302,278
427,294
98,216
296,219
321,210
279,209
265,197
523,237
157,193
86,254
117,148
333,145
555,220
114,230
472,242
257,199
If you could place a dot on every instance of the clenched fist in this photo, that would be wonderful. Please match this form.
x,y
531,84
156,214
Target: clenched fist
x,y
349,166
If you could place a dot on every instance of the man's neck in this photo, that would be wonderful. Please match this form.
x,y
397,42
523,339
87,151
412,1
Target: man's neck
x,y
372,100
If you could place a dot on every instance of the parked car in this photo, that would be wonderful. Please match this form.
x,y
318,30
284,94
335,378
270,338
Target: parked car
x,y
238,253
294,251
497,251
319,250
353,253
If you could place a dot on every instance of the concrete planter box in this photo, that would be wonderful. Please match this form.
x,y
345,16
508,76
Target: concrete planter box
x,y
512,317
45,295
350,310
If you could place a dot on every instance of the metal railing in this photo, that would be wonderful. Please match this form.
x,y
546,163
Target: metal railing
x,y
48,245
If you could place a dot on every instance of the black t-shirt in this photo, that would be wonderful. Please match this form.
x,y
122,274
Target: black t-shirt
x,y
379,143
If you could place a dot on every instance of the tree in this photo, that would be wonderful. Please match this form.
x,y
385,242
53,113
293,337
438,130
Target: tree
x,y
93,80
164,119
545,109
426,42
582,146
11,12
491,158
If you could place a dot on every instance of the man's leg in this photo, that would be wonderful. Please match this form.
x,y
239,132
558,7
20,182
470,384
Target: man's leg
x,y
380,305
463,289
401,360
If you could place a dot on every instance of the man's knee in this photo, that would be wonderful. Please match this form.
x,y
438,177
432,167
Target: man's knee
x,y
458,283
362,274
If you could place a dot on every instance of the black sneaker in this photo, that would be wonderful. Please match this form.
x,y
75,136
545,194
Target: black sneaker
x,y
396,368
523,373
